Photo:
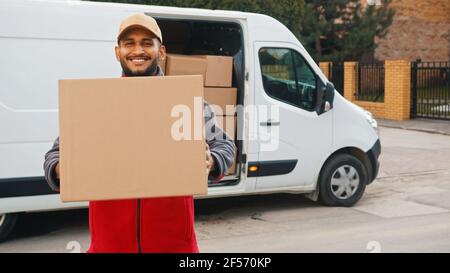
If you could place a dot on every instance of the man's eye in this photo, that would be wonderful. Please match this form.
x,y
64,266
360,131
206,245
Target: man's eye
x,y
148,44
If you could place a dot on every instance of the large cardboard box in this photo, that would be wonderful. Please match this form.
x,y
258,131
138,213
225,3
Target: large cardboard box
x,y
219,71
185,65
116,139
220,98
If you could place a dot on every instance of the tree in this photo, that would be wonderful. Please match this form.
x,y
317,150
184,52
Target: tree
x,y
288,12
338,30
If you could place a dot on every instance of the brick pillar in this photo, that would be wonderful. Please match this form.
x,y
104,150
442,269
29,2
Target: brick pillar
x,y
325,67
350,80
397,90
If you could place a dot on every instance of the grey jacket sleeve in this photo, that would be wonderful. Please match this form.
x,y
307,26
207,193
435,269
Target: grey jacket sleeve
x,y
221,145
51,159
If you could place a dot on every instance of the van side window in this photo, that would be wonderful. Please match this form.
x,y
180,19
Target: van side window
x,y
287,77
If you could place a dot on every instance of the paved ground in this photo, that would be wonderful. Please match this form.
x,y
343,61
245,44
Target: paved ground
x,y
422,125
407,209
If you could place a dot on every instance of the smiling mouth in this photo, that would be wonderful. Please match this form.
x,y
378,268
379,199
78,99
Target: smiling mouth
x,y
138,60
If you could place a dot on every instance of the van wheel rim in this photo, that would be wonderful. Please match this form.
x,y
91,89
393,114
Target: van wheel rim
x,y
344,182
2,219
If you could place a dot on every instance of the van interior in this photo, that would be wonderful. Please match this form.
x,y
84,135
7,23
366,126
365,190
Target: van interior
x,y
196,37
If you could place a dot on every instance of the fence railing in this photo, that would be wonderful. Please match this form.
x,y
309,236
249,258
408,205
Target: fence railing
x,y
370,82
430,89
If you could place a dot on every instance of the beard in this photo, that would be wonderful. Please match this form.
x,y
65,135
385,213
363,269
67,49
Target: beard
x,y
150,71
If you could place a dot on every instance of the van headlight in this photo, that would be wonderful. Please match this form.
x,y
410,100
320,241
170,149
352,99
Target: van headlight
x,y
372,121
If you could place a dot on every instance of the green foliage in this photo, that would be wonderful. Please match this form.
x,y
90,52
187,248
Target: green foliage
x,y
338,30
333,30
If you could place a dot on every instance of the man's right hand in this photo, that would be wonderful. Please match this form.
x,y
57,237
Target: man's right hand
x,y
57,170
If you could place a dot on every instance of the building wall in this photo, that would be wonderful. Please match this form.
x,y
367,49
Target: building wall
x,y
420,29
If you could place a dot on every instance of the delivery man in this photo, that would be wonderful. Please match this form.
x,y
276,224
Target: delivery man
x,y
154,224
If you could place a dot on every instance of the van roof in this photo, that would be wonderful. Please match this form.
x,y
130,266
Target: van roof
x,y
264,28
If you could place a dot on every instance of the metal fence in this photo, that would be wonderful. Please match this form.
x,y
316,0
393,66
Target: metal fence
x,y
336,76
430,90
370,82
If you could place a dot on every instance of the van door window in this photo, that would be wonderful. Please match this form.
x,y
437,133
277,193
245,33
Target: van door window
x,y
287,77
306,82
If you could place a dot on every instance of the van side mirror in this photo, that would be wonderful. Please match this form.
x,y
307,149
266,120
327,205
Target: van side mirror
x,y
329,94
325,96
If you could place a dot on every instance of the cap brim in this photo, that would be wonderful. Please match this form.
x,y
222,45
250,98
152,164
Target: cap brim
x,y
128,28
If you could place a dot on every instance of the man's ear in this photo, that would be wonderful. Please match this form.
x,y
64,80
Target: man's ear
x,y
117,50
162,53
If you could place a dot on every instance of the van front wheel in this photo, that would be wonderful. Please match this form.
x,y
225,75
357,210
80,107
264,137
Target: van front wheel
x,y
342,181
7,224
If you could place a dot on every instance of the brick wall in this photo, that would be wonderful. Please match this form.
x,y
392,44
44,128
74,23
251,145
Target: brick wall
x,y
397,90
325,67
420,29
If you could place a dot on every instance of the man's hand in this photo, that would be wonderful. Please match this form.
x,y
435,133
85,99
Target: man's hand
x,y
210,164
57,170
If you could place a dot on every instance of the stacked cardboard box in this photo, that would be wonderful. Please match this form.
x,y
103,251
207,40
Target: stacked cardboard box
x,y
217,72
223,102
184,65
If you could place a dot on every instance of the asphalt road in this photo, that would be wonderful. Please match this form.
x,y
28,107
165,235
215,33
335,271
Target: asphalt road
x,y
407,209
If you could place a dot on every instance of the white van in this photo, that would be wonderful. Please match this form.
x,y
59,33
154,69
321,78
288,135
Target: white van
x,y
327,148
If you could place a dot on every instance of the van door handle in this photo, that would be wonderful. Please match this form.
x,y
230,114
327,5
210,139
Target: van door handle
x,y
270,123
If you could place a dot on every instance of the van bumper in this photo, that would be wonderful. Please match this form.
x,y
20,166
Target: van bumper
x,y
374,155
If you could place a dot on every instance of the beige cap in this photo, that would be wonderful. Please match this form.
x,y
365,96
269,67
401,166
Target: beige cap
x,y
140,20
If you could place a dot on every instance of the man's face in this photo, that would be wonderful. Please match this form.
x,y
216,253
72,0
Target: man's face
x,y
139,52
